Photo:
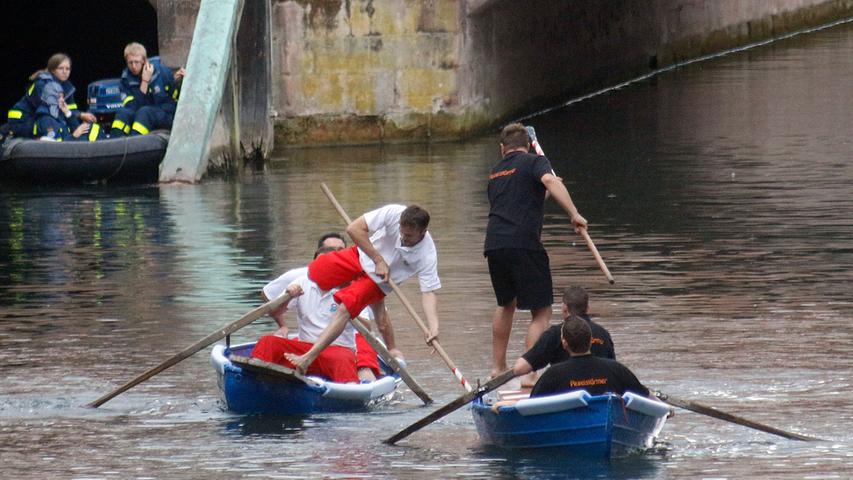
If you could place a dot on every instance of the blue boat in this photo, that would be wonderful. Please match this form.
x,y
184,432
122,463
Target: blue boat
x,y
601,426
249,386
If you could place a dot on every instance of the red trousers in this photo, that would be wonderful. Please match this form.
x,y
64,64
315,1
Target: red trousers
x,y
335,363
366,356
334,269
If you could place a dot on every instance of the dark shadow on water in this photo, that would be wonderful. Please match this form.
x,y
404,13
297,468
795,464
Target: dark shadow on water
x,y
558,463
269,425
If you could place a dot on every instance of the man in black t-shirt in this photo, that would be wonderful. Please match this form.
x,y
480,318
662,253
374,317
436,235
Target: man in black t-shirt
x,y
549,350
518,264
585,371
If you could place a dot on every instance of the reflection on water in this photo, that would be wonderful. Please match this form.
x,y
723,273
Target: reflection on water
x,y
720,195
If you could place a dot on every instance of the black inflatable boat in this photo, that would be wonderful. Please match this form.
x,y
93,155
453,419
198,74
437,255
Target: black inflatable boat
x,y
125,160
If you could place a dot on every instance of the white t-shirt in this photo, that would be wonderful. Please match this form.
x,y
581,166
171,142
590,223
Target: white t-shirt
x,y
314,310
276,288
404,262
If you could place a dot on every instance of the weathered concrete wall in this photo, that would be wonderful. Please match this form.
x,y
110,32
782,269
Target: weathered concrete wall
x,y
361,71
520,59
366,71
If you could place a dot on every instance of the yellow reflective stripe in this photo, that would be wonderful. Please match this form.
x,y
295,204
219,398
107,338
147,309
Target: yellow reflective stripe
x,y
119,124
15,114
30,90
93,133
126,129
140,128
127,99
175,94
72,106
35,129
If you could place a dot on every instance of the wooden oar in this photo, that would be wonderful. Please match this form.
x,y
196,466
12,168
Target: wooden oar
x,y
452,406
391,361
531,132
403,299
597,256
189,351
268,368
728,417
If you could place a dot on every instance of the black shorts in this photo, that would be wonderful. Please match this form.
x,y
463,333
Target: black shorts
x,y
521,274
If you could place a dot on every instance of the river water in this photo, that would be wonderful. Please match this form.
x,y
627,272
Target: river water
x,y
720,195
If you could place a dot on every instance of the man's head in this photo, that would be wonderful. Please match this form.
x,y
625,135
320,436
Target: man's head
x,y
332,239
135,56
514,137
413,225
323,250
576,336
575,301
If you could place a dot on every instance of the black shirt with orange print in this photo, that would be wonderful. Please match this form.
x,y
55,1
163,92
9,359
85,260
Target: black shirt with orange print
x,y
588,372
516,199
548,350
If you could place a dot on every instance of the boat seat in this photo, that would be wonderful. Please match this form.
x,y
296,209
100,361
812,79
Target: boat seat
x,y
645,405
552,403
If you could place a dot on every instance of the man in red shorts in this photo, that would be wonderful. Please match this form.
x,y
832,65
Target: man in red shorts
x,y
391,241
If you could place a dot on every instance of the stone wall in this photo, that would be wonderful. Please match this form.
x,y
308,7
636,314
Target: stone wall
x,y
367,71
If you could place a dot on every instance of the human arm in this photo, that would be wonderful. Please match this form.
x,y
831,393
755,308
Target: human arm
x,y
554,185
521,367
180,73
360,234
429,301
386,329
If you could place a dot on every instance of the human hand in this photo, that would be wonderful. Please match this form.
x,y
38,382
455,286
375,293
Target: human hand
x,y
396,353
81,130
147,72
382,270
294,289
180,74
431,335
88,117
281,332
579,222
63,106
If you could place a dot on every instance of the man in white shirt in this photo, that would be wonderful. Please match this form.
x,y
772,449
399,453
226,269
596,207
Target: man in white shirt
x,y
314,309
390,241
276,288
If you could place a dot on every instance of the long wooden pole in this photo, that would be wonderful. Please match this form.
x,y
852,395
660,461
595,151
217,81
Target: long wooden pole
x,y
597,256
189,351
534,142
451,407
391,361
404,300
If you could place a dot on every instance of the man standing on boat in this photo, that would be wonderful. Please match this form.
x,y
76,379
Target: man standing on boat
x,y
518,263
390,242
548,350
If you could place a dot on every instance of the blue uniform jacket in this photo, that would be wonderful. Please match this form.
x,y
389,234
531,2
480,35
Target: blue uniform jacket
x,y
162,91
27,108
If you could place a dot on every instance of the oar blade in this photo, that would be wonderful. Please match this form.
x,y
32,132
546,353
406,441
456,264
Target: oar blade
x,y
452,406
728,417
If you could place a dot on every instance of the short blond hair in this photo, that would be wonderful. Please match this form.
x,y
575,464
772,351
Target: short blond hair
x,y
135,48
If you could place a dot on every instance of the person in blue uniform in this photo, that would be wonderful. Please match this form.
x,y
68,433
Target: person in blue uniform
x,y
23,116
149,92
